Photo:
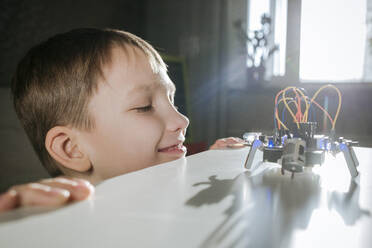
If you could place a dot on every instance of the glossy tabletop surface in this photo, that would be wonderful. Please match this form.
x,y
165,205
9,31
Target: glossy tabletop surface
x,y
210,200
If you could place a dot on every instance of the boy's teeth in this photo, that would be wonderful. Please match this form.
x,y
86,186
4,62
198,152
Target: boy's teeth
x,y
170,148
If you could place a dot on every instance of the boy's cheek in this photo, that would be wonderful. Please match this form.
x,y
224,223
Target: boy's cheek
x,y
127,147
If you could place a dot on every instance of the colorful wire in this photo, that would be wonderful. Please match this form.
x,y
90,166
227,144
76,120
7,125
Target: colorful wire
x,y
300,97
339,101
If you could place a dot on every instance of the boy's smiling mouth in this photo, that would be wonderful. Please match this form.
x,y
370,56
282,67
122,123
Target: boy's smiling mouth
x,y
176,148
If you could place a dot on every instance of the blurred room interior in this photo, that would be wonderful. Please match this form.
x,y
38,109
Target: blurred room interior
x,y
228,59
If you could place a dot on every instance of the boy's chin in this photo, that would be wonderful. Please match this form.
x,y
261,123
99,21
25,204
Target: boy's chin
x,y
170,156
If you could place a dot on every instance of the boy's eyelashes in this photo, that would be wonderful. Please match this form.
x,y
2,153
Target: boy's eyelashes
x,y
146,108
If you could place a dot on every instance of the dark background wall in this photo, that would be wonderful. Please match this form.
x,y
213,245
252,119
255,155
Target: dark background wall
x,y
25,23
192,29
222,102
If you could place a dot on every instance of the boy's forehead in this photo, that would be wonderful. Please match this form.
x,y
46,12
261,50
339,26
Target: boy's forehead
x,y
125,57
145,87
130,66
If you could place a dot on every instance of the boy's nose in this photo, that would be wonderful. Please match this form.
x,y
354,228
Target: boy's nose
x,y
178,122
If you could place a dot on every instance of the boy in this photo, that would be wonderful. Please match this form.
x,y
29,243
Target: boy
x,y
95,104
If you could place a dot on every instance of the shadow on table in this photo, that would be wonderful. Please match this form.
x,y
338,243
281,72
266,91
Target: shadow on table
x,y
267,207
22,213
26,212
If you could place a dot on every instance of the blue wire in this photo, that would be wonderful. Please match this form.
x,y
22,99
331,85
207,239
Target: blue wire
x,y
274,118
283,115
285,110
276,106
314,117
312,113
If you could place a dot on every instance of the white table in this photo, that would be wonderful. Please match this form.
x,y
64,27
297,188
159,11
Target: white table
x,y
210,200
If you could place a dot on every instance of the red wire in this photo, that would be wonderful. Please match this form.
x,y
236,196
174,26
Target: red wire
x,y
299,112
325,111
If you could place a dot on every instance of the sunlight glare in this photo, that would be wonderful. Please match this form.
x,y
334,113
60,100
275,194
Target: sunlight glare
x,y
333,37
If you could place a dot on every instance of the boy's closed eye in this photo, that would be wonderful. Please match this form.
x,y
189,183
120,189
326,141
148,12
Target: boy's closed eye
x,y
148,108
143,109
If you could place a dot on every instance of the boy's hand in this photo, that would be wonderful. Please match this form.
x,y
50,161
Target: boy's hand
x,y
231,142
52,192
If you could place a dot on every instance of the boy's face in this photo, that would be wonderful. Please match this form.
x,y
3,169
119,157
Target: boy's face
x,y
136,123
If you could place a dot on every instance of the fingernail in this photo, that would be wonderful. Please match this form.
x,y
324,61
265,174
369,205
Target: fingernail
x,y
63,192
51,190
86,184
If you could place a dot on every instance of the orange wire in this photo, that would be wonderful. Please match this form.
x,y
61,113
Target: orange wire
x,y
277,115
325,111
304,97
286,105
300,117
276,107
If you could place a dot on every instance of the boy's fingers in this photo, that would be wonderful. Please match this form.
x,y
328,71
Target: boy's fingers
x,y
233,140
220,143
236,145
36,194
216,145
79,189
230,142
50,192
8,201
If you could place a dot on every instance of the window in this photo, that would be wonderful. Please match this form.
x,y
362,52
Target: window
x,y
277,10
280,36
256,8
332,41
325,41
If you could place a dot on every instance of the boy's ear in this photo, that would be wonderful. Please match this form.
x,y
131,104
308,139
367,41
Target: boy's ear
x,y
61,143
